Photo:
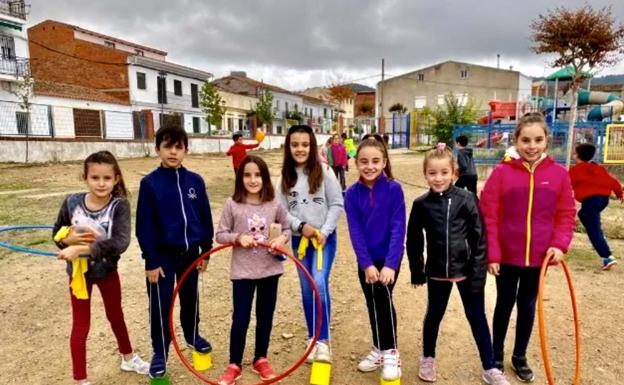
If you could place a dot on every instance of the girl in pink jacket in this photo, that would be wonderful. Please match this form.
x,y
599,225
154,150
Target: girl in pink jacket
x,y
528,210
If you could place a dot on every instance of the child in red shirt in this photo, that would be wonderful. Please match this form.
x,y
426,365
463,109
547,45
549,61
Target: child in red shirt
x,y
238,150
592,186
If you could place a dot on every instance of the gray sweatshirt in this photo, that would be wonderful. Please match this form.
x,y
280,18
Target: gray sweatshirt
x,y
321,209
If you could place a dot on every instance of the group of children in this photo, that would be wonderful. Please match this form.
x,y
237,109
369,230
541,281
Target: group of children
x,y
526,210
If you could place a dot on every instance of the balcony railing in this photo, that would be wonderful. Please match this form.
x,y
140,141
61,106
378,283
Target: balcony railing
x,y
15,8
17,67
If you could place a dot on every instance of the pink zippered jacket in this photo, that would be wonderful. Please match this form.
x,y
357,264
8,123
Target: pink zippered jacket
x,y
526,210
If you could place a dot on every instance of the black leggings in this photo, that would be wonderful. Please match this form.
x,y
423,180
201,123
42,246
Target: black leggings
x,y
381,312
242,297
515,286
438,293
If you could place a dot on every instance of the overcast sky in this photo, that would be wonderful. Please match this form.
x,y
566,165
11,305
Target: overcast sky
x,y
297,44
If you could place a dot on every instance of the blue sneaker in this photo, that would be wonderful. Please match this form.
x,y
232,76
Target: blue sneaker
x,y
608,263
158,366
201,345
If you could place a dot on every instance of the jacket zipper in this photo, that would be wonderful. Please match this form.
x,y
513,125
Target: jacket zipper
x,y
529,213
183,210
448,214
467,248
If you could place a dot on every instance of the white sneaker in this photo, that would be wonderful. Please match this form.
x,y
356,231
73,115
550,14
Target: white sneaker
x,y
323,354
310,358
135,364
371,362
391,365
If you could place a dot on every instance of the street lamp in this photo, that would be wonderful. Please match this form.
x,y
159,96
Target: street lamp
x,y
162,80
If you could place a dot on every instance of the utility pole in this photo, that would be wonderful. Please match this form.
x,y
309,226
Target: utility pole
x,y
382,122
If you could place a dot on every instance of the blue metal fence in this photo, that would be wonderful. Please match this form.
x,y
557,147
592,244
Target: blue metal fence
x,y
400,130
490,141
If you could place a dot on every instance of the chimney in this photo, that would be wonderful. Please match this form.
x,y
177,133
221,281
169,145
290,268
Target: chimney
x,y
241,74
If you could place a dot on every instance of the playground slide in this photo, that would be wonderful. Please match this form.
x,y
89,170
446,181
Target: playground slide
x,y
610,104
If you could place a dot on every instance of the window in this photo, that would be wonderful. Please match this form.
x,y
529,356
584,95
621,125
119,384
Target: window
x,y
463,74
177,87
194,96
196,125
162,90
420,102
421,77
22,122
7,47
462,99
109,44
440,100
141,81
325,113
286,106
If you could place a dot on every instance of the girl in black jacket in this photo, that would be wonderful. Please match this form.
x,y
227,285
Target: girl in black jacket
x,y
456,249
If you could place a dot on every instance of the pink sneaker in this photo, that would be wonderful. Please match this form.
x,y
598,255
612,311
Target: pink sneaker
x,y
231,373
264,369
427,371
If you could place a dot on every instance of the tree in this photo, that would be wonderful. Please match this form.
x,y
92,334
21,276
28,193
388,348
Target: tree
x,y
366,108
583,38
340,93
212,104
24,93
453,113
264,108
398,108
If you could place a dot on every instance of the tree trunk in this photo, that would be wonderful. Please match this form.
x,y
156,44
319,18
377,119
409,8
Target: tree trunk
x,y
571,122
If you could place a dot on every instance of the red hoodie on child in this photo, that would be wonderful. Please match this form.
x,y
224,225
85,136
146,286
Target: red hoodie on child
x,y
590,178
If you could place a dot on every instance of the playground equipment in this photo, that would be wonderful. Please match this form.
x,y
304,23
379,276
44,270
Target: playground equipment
x,y
500,110
611,106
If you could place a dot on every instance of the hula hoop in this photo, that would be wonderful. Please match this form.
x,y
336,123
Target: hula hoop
x,y
23,249
542,327
288,371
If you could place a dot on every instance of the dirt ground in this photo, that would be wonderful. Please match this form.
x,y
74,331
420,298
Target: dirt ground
x,y
35,316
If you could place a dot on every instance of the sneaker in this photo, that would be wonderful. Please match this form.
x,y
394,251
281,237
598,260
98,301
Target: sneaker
x,y
264,369
608,263
371,362
323,354
135,364
391,365
522,369
158,366
231,373
427,370
201,345
310,358
494,377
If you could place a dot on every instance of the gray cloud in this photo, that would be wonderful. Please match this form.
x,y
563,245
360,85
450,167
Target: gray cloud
x,y
335,38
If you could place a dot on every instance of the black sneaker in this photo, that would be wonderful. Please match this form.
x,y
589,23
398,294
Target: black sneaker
x,y
499,361
522,369
158,367
200,345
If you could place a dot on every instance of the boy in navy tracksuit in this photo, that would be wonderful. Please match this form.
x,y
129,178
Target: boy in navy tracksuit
x,y
173,226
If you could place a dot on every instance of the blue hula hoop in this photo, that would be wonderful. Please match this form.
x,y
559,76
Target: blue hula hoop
x,y
23,249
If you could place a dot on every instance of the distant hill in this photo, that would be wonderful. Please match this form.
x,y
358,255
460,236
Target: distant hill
x,y
607,80
355,87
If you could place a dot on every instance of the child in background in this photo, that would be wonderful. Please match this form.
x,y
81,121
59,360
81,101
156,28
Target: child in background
x,y
174,227
339,159
467,171
349,147
592,186
238,150
456,249
312,196
96,225
245,221
375,208
325,152
528,211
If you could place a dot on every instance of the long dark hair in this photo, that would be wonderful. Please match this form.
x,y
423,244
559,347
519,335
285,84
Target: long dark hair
x,y
377,142
105,157
313,166
266,194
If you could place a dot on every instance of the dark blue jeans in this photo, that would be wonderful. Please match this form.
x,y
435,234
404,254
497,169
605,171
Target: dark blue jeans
x,y
321,278
515,285
589,214
242,298
438,293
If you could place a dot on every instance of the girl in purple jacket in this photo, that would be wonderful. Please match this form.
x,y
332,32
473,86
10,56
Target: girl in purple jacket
x,y
375,208
528,210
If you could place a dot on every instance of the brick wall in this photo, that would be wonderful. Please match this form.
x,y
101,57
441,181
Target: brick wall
x,y
56,56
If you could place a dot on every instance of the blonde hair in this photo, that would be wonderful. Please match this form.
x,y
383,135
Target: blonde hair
x,y
441,151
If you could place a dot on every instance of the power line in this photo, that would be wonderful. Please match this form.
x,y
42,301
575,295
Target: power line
x,y
73,56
